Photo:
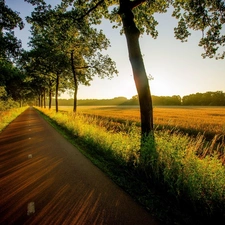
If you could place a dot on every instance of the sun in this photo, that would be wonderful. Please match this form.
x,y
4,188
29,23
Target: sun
x,y
161,88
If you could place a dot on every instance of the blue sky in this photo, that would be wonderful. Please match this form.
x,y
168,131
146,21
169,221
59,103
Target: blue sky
x,y
178,68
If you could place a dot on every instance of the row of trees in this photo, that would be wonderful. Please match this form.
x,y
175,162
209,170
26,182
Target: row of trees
x,y
199,99
156,100
208,99
66,50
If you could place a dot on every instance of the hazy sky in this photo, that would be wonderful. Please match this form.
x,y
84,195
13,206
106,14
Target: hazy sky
x,y
178,68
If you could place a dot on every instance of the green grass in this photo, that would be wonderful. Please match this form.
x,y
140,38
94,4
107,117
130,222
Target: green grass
x,y
6,117
179,179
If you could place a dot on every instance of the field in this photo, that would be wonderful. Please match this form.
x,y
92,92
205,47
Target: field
x,y
194,120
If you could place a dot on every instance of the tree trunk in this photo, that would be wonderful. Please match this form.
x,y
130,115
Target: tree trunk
x,y
56,93
140,77
75,101
44,99
50,99
41,98
75,84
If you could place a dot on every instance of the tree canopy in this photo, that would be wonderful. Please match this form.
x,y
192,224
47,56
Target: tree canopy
x,y
207,16
10,46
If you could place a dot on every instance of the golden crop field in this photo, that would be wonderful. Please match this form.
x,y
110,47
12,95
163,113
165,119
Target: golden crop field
x,y
202,119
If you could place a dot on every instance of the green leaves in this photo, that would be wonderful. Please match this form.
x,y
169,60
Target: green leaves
x,y
10,46
208,16
9,18
181,31
103,66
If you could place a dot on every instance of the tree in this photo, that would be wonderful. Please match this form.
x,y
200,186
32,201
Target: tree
x,y
137,17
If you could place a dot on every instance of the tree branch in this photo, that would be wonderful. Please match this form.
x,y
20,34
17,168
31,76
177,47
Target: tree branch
x,y
90,10
136,3
83,67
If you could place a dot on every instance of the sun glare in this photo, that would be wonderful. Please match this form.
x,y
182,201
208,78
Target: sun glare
x,y
159,88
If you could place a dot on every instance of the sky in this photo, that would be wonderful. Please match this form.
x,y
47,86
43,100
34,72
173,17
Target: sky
x,y
177,68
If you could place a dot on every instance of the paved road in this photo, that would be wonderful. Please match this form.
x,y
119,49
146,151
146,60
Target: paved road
x,y
46,180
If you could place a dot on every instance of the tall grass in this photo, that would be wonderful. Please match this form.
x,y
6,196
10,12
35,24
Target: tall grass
x,y
9,115
188,170
178,167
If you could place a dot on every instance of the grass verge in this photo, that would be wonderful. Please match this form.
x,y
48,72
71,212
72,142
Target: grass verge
x,y
6,117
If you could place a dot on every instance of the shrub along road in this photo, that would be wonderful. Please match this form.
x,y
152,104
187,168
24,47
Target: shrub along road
x,y
45,180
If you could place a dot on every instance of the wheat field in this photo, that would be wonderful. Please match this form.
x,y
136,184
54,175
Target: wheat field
x,y
199,119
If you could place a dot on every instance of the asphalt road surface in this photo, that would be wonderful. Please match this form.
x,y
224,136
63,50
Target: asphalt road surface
x,y
46,180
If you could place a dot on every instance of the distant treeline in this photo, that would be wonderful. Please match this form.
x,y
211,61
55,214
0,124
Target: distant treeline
x,y
199,99
207,99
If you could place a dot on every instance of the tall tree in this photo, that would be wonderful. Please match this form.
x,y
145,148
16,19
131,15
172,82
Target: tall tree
x,y
137,17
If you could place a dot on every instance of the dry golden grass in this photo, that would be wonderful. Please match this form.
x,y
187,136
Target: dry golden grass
x,y
202,119
8,116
